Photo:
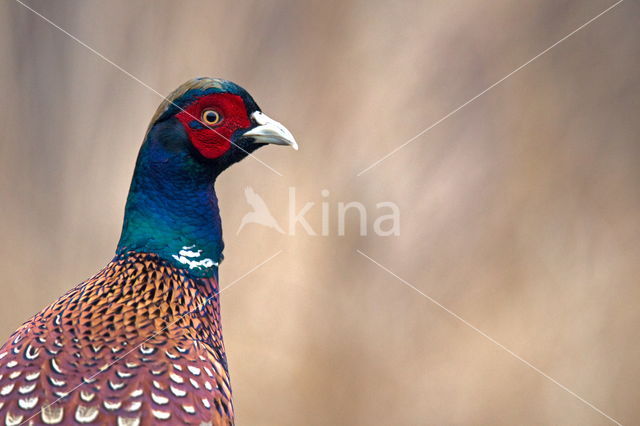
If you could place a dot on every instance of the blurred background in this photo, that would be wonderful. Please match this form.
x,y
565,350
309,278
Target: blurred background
x,y
519,212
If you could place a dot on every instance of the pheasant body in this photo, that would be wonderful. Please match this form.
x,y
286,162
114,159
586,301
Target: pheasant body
x,y
150,330
140,343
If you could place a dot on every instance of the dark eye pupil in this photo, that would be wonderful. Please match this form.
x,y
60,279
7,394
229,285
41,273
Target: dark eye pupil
x,y
211,116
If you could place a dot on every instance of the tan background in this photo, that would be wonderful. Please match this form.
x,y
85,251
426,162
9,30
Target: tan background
x,y
519,213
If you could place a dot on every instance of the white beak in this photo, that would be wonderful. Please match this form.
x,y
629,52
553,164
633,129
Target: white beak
x,y
270,131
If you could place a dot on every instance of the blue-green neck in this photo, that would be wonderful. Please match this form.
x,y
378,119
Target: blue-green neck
x,y
172,209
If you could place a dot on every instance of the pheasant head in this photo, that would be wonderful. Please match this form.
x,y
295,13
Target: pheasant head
x,y
198,131
215,120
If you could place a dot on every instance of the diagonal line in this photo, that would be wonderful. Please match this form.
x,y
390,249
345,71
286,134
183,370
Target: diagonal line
x,y
491,339
488,88
133,77
207,300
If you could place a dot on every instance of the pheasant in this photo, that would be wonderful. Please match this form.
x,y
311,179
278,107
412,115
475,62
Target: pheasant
x,y
140,343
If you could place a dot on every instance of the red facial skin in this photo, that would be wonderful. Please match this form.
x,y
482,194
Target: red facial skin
x,y
214,140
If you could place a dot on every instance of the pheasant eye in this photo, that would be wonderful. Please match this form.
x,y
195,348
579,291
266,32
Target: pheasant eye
x,y
211,117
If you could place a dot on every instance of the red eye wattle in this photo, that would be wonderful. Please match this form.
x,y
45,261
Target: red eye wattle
x,y
221,114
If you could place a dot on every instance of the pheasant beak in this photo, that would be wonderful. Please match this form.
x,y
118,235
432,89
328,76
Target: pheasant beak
x,y
269,130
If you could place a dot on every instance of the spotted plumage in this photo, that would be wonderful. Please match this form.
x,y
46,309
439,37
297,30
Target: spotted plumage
x,y
140,343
